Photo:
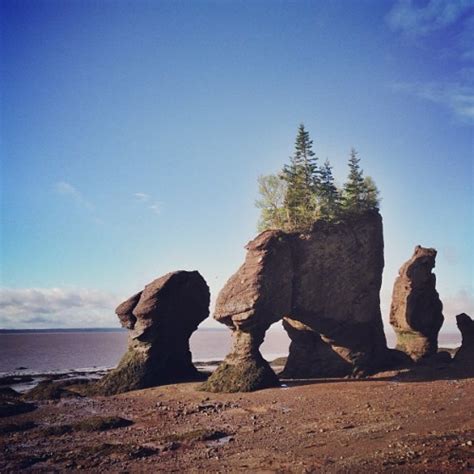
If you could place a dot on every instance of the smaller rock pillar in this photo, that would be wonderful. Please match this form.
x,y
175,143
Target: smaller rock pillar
x,y
416,310
160,320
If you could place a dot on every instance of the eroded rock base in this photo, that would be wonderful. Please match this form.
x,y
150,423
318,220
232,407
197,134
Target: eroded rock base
x,y
160,320
244,369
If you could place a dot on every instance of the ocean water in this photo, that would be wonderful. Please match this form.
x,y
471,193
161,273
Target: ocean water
x,y
42,351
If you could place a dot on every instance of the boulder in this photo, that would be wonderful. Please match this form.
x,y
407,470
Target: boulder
x,y
464,357
416,310
328,282
160,320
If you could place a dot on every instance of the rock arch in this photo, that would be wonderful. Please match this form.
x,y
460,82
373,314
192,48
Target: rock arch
x,y
328,281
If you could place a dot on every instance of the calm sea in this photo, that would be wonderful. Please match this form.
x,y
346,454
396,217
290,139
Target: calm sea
x,y
41,351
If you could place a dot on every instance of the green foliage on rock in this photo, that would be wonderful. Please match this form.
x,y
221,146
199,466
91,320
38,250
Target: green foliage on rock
x,y
303,192
329,195
246,376
272,191
360,193
302,182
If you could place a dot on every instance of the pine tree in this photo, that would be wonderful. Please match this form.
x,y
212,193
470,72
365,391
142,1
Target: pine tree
x,y
354,188
329,197
302,180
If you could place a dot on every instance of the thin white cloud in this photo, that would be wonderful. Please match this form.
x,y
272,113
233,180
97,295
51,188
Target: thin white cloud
x,y
56,307
67,189
417,19
155,207
151,204
142,196
456,96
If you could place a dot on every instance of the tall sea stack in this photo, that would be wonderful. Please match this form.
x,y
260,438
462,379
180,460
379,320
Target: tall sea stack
x,y
326,281
416,311
160,320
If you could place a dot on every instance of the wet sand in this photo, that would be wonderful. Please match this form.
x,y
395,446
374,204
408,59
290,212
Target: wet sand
x,y
394,422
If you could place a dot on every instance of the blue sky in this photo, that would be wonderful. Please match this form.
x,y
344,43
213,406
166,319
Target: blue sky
x,y
133,133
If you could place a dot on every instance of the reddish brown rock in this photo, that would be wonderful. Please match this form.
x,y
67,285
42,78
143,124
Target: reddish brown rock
x,y
464,357
160,319
310,355
416,310
329,281
255,297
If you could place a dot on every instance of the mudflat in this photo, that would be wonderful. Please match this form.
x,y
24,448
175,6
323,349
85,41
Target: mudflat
x,y
392,422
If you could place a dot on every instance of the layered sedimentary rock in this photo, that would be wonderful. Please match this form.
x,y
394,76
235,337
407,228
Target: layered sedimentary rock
x,y
160,320
255,297
464,357
329,281
416,311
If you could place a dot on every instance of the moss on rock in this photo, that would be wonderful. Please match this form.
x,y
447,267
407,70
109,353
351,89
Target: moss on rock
x,y
49,390
91,424
244,377
200,434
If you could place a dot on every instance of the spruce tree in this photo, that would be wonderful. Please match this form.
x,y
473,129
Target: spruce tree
x,y
354,188
302,180
329,198
302,192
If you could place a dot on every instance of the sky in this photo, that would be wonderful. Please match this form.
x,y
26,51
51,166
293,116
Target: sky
x,y
133,134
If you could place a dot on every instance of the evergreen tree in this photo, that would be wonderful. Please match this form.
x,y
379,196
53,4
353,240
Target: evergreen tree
x,y
301,177
360,193
371,198
329,198
354,189
302,192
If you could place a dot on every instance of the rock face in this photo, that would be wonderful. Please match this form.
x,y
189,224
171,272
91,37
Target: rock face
x,y
311,355
416,310
326,283
160,320
464,357
255,297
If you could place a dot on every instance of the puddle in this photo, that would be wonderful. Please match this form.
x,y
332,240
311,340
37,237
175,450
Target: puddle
x,y
221,441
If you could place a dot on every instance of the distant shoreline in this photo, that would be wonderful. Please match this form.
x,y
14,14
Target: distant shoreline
x,y
72,330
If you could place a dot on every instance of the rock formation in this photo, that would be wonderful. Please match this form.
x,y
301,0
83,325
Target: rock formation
x,y
255,297
160,320
311,355
416,310
328,281
464,357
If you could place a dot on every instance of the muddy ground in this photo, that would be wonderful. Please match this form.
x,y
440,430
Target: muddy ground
x,y
391,423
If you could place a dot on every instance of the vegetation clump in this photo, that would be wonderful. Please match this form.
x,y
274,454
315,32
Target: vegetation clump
x,y
101,423
13,406
304,191
244,377
94,423
49,390
17,427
